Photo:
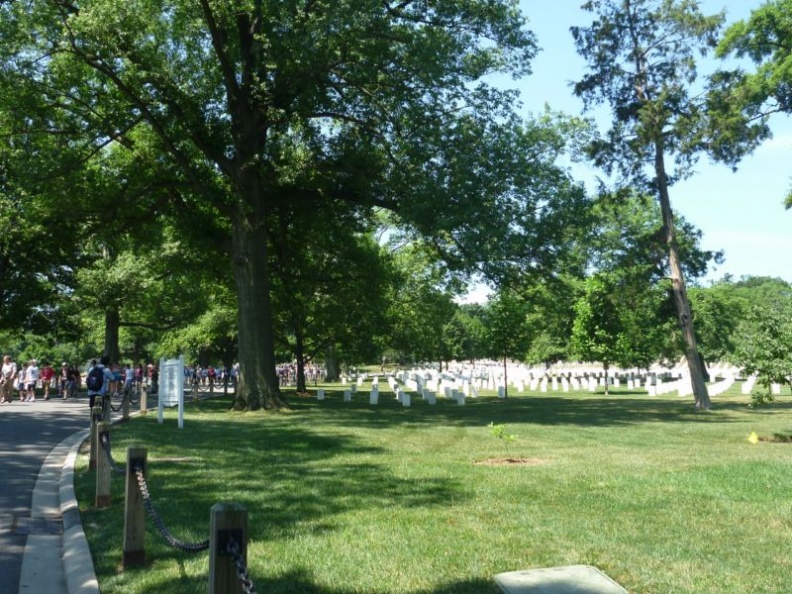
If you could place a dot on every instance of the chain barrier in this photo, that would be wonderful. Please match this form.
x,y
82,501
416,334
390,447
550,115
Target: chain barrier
x,y
242,572
163,530
120,404
104,439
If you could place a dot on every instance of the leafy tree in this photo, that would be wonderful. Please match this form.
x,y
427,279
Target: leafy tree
x,y
259,105
598,330
464,335
330,285
748,98
37,259
717,311
641,54
628,245
766,334
508,333
420,305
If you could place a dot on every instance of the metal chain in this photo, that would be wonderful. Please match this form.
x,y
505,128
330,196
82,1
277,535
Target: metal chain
x,y
104,439
242,572
163,530
116,408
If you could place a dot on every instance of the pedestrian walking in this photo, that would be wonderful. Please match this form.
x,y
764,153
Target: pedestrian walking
x,y
7,377
31,380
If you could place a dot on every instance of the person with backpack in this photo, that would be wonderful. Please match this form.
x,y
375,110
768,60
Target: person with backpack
x,y
99,377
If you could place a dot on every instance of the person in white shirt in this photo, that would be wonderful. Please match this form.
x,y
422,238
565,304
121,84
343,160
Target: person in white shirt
x,y
31,380
7,377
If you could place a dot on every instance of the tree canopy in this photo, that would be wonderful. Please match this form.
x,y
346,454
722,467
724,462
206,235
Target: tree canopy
x,y
247,108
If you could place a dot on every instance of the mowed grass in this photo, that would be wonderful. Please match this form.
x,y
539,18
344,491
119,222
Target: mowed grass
x,y
350,498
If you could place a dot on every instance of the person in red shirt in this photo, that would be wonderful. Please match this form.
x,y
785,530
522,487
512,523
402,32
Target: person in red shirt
x,y
47,374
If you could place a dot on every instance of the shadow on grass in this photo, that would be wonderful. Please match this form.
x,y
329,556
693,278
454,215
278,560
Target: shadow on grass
x,y
302,582
583,410
284,473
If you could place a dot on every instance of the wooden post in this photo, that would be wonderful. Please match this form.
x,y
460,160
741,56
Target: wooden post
x,y
125,404
102,467
143,395
106,410
96,417
134,512
228,521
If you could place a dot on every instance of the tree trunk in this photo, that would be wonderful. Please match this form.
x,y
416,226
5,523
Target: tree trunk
x,y
606,367
700,393
505,379
258,381
299,353
331,365
112,324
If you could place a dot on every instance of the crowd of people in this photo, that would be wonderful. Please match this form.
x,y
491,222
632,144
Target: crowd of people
x,y
27,380
210,375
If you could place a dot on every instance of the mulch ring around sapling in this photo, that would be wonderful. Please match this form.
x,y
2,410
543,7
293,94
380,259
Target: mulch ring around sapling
x,y
509,462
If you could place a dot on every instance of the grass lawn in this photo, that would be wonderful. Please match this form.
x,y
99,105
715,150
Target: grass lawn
x,y
345,497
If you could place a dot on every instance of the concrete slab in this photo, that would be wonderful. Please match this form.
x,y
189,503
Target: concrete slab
x,y
571,579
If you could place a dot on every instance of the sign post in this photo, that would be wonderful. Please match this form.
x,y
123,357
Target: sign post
x,y
171,387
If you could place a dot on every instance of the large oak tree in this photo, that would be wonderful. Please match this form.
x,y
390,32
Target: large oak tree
x,y
253,106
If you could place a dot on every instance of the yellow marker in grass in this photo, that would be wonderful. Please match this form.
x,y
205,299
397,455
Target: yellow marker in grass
x,y
753,438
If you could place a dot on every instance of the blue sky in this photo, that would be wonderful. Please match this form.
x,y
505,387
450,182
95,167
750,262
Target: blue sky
x,y
741,213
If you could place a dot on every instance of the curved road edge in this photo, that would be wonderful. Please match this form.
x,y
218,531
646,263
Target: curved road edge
x,y
63,559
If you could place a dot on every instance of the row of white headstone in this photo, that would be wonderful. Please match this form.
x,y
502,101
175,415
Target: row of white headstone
x,y
458,386
749,384
402,392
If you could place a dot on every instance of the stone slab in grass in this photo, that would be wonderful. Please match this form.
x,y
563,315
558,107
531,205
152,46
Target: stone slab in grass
x,y
572,579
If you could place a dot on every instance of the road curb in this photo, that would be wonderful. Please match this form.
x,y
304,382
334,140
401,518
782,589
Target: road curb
x,y
78,564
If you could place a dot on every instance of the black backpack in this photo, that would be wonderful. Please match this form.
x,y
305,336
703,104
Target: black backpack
x,y
95,379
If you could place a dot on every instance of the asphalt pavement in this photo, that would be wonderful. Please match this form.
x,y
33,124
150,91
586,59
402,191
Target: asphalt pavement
x,y
40,531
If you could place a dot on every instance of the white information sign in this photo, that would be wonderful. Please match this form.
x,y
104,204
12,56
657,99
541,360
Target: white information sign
x,y
171,387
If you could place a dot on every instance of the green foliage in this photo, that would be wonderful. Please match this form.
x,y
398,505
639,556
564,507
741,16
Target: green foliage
x,y
764,39
765,336
598,331
642,56
761,397
229,121
741,101
420,306
508,333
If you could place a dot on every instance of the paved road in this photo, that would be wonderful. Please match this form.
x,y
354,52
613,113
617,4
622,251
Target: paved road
x,y
28,431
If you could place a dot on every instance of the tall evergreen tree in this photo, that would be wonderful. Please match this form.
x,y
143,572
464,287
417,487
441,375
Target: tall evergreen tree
x,y
641,55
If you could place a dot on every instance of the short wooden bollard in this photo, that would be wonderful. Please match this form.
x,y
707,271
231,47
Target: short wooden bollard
x,y
227,523
106,410
96,418
134,554
103,467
